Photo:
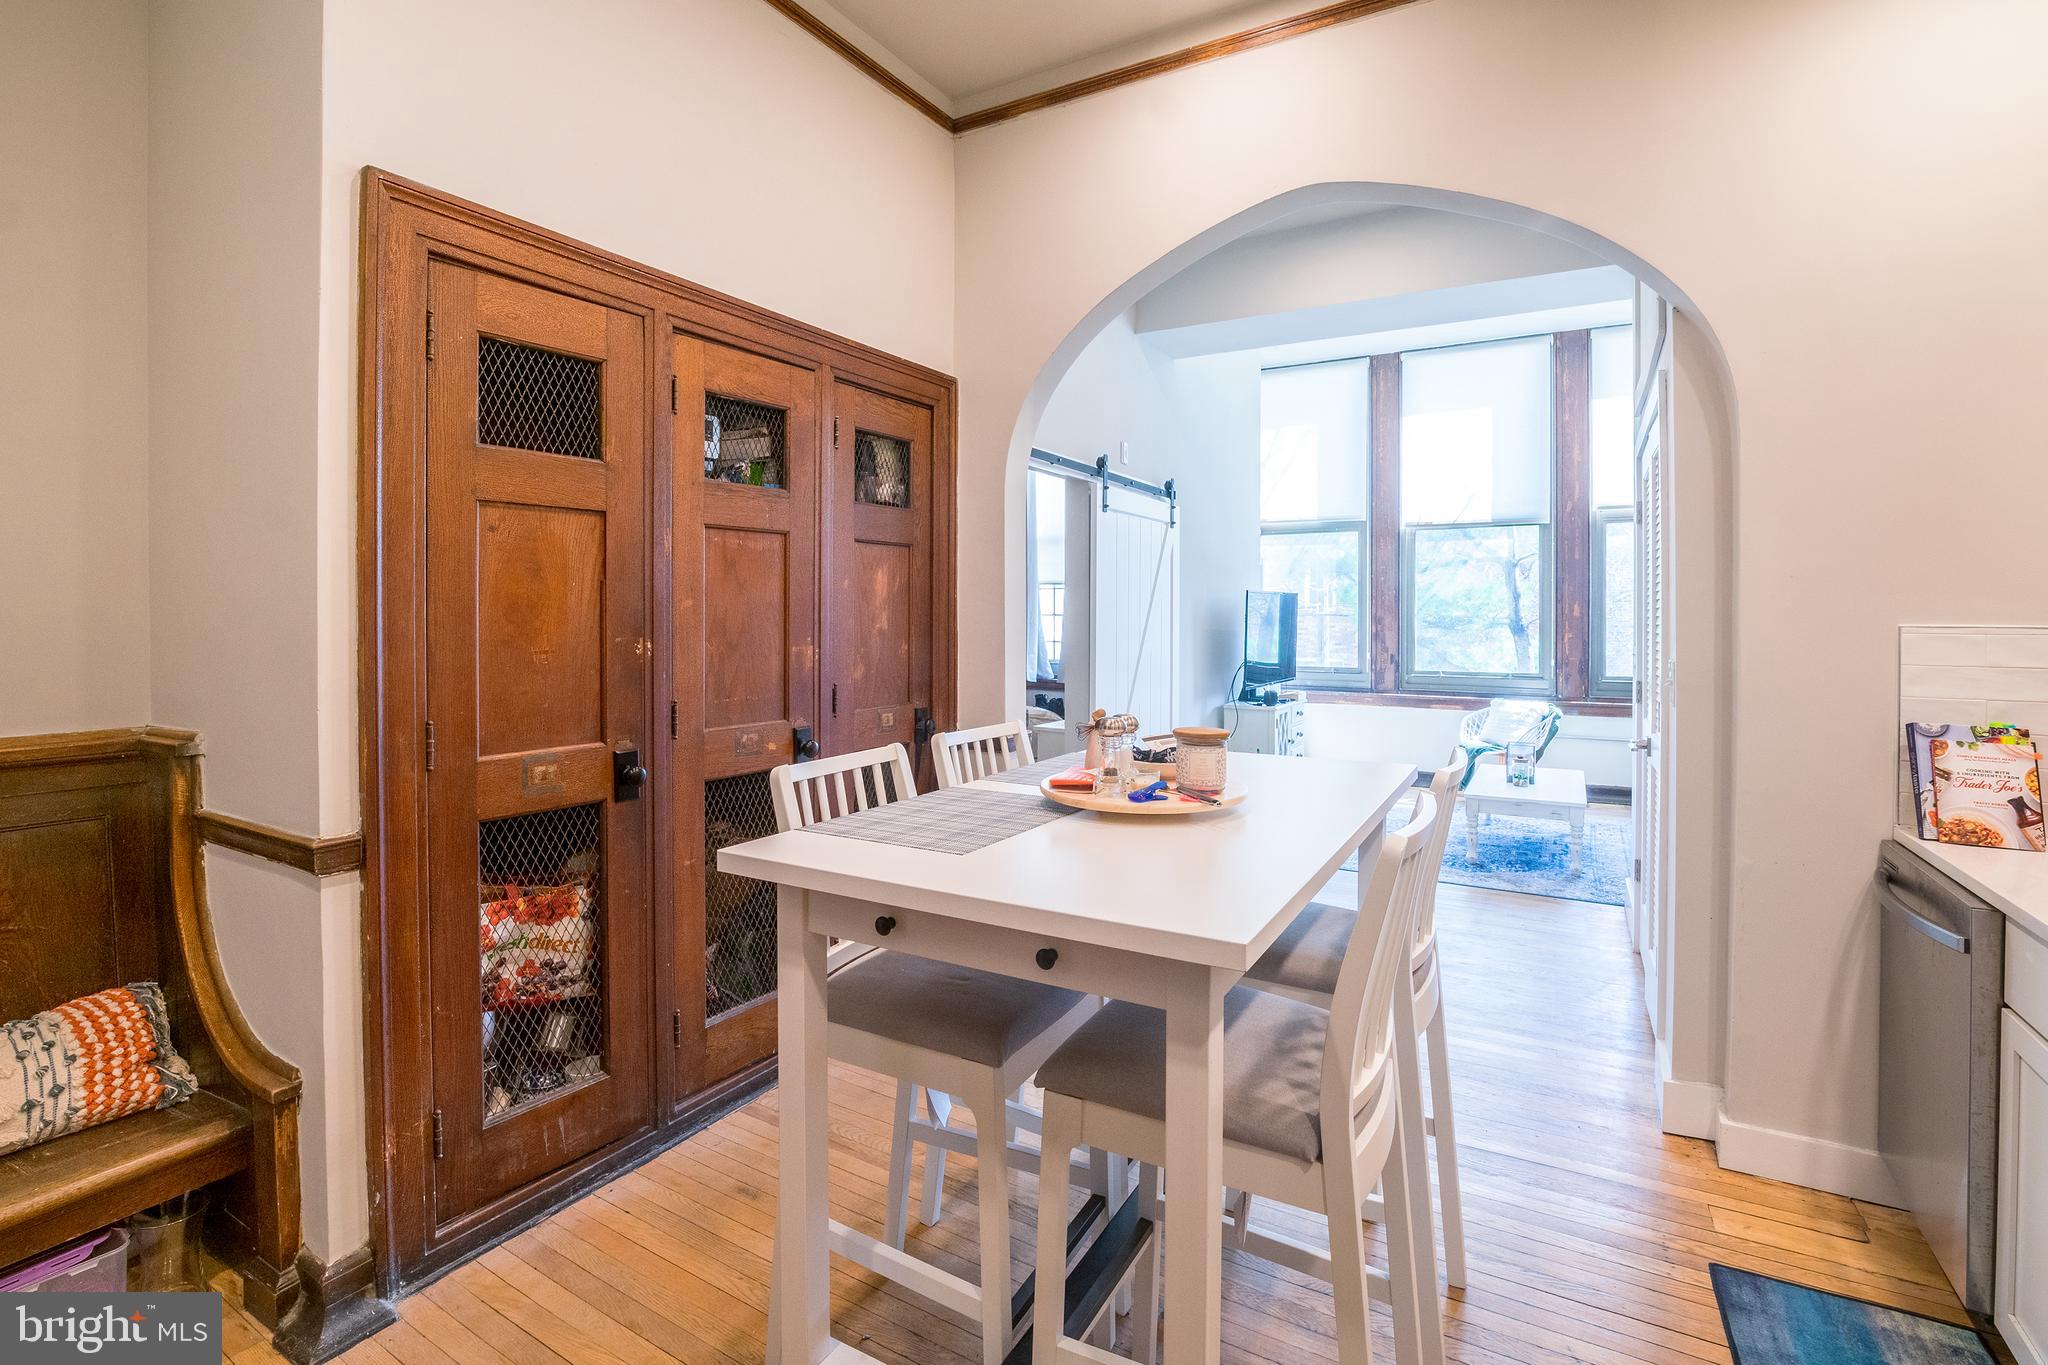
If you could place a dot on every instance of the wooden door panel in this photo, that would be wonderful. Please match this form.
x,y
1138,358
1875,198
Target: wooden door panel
x,y
747,437
879,569
746,678
536,671
540,628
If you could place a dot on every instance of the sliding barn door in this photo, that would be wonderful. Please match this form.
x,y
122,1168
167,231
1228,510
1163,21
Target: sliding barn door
x,y
1134,607
746,669
537,663
878,574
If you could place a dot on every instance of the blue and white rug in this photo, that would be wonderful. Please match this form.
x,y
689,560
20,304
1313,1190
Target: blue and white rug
x,y
1775,1322
1534,857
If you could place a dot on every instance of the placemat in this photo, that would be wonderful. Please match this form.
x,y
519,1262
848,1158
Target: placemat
x,y
959,820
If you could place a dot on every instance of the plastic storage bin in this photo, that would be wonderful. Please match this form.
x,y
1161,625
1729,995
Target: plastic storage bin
x,y
103,1271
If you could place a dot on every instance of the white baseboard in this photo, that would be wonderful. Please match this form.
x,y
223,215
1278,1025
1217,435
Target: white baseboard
x,y
1857,1172
1689,1108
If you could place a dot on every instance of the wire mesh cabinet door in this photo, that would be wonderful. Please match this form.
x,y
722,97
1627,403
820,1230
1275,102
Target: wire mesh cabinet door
x,y
537,663
746,675
878,568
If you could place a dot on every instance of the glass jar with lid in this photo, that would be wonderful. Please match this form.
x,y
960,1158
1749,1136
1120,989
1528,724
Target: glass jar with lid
x,y
1202,763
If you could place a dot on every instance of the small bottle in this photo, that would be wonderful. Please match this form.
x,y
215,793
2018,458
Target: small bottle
x,y
2029,816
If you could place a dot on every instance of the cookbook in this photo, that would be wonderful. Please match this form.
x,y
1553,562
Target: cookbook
x,y
1985,787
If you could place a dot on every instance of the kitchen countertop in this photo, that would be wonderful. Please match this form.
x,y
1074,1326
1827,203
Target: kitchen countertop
x,y
2016,883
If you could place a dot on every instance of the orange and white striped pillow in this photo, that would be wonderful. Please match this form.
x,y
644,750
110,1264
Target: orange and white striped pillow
x,y
89,1060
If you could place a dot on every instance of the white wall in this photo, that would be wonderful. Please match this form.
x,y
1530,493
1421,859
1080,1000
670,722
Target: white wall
x,y
234,145
74,492
1791,174
1379,255
1596,745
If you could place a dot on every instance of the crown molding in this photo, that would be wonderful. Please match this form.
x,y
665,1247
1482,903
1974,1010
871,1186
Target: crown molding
x,y
1263,35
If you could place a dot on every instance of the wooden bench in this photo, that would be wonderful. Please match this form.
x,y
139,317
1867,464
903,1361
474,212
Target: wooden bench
x,y
101,884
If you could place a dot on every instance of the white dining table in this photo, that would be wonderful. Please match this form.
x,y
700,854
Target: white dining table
x,y
1161,912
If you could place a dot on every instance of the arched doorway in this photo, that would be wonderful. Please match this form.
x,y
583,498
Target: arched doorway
x,y
1691,407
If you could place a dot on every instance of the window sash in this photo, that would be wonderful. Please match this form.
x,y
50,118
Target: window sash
x,y
1356,528
1603,682
1542,680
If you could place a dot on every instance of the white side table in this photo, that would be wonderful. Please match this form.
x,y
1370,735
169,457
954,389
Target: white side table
x,y
1557,794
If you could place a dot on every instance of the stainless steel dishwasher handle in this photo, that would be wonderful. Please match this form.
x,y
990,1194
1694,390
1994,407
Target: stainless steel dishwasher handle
x,y
1895,897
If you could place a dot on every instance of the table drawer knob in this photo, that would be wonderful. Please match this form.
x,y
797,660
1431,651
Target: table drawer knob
x,y
884,923
1046,957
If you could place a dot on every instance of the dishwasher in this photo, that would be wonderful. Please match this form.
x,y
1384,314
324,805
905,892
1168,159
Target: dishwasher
x,y
1941,979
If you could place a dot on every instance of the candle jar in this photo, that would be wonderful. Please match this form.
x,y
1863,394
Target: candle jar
x,y
1202,763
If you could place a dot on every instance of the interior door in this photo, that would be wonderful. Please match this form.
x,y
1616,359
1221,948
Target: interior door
x,y
746,670
537,661
1134,607
878,612
1649,896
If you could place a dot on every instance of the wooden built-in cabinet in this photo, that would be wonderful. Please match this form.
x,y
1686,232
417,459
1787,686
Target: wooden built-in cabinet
x,y
626,545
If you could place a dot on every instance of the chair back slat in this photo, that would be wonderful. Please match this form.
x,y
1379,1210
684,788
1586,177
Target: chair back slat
x,y
1360,1041
1443,788
963,756
806,793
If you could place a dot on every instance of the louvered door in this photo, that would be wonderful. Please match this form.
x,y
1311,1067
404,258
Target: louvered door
x,y
1649,895
537,647
747,437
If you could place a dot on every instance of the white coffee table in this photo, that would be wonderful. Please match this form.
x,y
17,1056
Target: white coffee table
x,y
1556,794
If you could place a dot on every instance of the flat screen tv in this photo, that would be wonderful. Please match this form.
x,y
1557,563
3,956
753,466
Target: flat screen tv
x,y
1268,639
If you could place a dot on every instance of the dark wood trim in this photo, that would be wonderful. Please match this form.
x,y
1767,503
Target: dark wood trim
x,y
861,62
1245,40
337,1307
404,226
1453,701
1384,500
1193,55
323,856
37,751
1570,358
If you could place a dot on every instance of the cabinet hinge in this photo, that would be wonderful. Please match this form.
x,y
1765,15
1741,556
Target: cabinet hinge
x,y
673,400
440,1138
1637,874
430,746
676,1027
835,433
430,334
835,699
674,722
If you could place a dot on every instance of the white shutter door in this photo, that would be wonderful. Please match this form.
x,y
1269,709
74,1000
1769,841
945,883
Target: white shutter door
x,y
1650,893
1135,622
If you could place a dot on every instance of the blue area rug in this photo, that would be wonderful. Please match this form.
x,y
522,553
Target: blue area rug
x,y
1534,857
1771,1322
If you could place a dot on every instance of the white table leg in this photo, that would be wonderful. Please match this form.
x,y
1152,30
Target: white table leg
x,y
1472,829
1194,1166
1418,1315
802,1331
1578,836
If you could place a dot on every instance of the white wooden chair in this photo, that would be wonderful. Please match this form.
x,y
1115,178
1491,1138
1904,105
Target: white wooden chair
x,y
1311,1112
950,1030
962,756
1304,964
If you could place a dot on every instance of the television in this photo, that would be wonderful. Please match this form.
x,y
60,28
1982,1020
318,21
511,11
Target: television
x,y
1269,619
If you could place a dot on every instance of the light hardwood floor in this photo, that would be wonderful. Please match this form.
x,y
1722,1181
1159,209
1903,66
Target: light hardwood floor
x,y
1589,1231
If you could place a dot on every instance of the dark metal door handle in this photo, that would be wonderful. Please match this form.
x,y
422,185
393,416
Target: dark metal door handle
x,y
628,776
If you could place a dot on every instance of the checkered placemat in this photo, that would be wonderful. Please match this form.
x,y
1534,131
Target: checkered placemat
x,y
956,821
1031,774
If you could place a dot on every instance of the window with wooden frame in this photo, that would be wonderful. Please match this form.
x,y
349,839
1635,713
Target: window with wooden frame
x,y
1458,521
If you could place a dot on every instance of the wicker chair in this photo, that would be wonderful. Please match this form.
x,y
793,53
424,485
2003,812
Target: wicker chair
x,y
1474,744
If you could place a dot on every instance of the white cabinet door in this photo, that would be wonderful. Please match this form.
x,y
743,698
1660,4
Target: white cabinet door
x,y
2022,1296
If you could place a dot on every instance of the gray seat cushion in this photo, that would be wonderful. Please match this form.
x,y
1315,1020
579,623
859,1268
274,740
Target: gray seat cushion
x,y
1272,1068
957,1011
1310,951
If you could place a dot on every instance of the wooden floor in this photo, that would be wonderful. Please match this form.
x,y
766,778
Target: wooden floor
x,y
1590,1232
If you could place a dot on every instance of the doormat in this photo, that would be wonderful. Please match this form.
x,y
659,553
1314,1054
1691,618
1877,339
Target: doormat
x,y
1773,1322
